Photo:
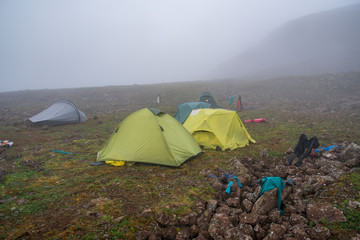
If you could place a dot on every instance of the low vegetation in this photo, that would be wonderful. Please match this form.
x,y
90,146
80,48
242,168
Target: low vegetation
x,y
46,194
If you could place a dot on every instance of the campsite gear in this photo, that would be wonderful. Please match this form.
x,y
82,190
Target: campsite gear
x,y
269,183
217,128
208,98
6,144
150,136
185,109
302,145
257,120
326,148
58,151
116,163
228,177
96,163
290,182
231,100
228,189
59,113
240,107
213,176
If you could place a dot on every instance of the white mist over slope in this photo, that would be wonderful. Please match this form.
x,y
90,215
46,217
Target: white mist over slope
x,y
65,44
325,42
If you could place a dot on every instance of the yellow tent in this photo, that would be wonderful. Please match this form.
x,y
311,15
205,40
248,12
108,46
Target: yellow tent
x,y
214,128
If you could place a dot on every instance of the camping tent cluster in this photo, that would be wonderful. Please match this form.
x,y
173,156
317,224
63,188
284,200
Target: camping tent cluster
x,y
152,136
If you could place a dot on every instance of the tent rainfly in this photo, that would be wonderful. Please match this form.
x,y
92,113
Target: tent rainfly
x,y
59,113
150,136
218,128
185,109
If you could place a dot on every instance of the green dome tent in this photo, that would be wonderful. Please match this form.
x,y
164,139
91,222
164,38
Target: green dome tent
x,y
208,98
213,128
150,136
185,109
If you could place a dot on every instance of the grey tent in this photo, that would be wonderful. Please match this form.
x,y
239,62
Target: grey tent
x,y
60,112
185,109
208,98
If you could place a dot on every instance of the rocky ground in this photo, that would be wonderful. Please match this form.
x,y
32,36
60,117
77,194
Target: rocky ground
x,y
46,195
241,214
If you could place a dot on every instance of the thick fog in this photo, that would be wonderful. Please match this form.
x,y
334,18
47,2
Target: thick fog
x,y
81,43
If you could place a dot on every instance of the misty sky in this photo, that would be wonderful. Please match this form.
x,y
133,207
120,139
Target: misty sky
x,y
80,43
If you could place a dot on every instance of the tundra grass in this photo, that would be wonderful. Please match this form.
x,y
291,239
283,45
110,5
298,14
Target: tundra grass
x,y
50,195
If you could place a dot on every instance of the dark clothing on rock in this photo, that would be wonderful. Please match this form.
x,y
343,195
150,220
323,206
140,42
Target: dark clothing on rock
x,y
304,145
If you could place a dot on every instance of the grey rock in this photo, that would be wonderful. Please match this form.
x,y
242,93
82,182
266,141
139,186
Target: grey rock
x,y
319,233
323,211
218,226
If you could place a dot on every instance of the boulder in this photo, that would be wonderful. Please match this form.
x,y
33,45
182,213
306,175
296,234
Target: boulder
x,y
246,229
248,218
298,232
233,202
274,216
280,171
319,233
142,235
223,208
212,205
324,212
183,234
259,232
251,196
163,219
351,151
354,204
219,225
265,202
184,220
192,218
217,186
289,209
300,205
235,234
204,220
170,233
352,163
297,219
275,232
247,205
194,231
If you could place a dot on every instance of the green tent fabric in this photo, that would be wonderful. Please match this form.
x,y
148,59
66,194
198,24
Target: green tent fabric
x,y
185,109
150,136
218,128
208,98
269,183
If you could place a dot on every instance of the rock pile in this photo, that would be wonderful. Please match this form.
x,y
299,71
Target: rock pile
x,y
241,214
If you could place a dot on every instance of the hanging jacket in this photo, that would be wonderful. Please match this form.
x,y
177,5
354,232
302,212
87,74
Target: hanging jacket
x,y
269,183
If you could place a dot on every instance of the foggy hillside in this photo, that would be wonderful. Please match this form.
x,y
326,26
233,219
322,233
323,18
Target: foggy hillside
x,y
325,42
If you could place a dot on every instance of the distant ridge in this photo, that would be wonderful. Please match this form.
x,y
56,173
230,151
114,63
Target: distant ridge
x,y
325,42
